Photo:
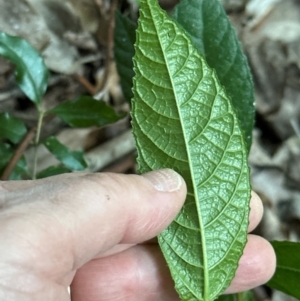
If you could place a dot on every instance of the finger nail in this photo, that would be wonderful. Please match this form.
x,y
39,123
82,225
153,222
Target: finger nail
x,y
164,179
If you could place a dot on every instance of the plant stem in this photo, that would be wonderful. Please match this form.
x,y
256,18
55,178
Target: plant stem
x,y
240,296
36,142
85,83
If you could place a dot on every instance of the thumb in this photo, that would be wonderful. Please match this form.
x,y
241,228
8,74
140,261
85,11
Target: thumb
x,y
82,215
126,209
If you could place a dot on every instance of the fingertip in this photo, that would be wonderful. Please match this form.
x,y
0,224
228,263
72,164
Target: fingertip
x,y
169,185
256,266
166,180
164,192
256,211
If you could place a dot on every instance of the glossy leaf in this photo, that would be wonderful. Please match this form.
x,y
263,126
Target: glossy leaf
x,y
86,111
21,169
182,119
11,128
72,159
287,274
53,171
210,29
124,51
31,72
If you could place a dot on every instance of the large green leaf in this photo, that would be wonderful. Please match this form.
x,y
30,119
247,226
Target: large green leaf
x,y
31,72
287,274
11,128
210,29
86,111
124,51
72,159
182,119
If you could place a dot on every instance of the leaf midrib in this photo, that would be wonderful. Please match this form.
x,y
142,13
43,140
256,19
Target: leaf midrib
x,y
205,265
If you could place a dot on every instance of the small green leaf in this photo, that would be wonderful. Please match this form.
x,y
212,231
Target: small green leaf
x,y
21,169
31,72
243,296
287,274
210,29
72,159
53,171
86,111
182,119
124,51
6,153
11,128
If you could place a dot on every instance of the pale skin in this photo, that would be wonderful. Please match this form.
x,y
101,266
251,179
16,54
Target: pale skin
x,y
88,231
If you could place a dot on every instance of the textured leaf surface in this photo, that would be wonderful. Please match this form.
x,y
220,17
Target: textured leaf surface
x,y
287,274
124,51
211,31
183,120
11,128
72,159
31,72
86,111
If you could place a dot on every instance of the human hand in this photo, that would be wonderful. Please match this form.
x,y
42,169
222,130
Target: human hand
x,y
86,230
